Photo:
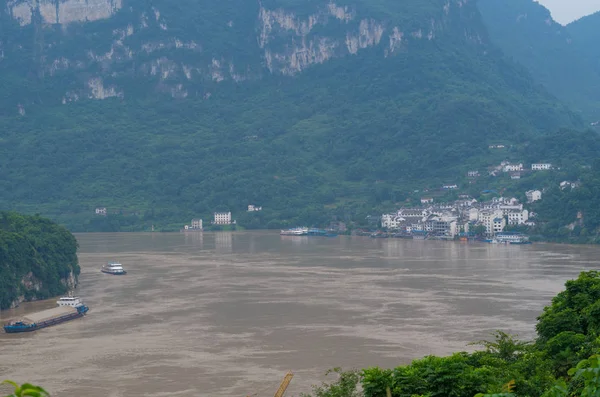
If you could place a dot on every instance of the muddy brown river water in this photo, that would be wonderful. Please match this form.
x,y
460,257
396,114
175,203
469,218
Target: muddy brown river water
x,y
227,314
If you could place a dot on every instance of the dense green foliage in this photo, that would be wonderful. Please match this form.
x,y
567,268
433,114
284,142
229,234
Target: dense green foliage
x,y
25,390
566,60
572,214
341,139
555,365
37,257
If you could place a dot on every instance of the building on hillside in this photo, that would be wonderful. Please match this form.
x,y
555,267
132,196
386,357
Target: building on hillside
x,y
498,225
541,166
473,174
101,211
566,184
254,208
426,200
442,226
488,218
513,167
515,175
450,187
196,225
222,218
533,195
518,217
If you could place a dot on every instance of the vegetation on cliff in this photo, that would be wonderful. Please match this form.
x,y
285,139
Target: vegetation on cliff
x,y
341,137
38,258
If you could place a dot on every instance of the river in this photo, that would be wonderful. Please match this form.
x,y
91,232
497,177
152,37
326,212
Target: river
x,y
228,314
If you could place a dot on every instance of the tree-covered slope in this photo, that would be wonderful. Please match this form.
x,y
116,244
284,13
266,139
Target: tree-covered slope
x,y
306,108
586,33
558,57
38,259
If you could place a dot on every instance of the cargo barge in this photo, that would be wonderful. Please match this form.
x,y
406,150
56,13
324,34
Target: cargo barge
x,y
68,309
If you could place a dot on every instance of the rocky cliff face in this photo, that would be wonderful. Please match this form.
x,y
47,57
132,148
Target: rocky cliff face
x,y
103,43
62,11
31,286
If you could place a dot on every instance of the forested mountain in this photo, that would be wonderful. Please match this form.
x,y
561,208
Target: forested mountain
x,y
38,259
586,35
174,109
565,59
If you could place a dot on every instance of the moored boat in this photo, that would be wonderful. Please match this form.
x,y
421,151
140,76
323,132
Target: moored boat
x,y
113,268
297,231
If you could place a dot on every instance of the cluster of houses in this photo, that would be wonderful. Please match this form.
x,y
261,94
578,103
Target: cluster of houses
x,y
514,170
448,220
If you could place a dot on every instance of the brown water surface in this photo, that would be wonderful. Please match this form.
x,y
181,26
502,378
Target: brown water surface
x,y
227,314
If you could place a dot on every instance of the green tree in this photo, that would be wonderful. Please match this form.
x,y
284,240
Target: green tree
x,y
25,390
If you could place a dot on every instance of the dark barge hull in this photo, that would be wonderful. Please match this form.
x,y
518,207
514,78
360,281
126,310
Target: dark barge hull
x,y
20,327
113,273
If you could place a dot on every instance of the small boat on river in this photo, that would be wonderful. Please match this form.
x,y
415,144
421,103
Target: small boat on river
x,y
113,268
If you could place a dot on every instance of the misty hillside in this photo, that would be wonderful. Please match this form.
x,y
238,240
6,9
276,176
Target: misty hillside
x,y
310,109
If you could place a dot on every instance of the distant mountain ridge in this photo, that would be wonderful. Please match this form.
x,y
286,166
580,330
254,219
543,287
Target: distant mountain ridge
x,y
311,109
565,59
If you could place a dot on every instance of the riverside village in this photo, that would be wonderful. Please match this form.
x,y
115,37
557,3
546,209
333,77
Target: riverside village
x,y
493,221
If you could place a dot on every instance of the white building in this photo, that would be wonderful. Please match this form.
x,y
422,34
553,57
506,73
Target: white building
x,y
101,211
473,174
492,220
196,224
389,221
541,166
442,226
254,208
513,167
450,187
222,218
567,184
533,195
499,224
426,200
518,217
473,214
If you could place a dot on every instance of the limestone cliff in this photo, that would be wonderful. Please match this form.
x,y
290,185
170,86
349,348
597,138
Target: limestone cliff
x,y
103,43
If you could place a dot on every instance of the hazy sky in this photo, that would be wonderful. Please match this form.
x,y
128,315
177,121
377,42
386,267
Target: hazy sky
x,y
565,11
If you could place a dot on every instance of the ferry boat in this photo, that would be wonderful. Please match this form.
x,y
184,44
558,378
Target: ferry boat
x,y
510,238
297,231
69,308
113,268
72,301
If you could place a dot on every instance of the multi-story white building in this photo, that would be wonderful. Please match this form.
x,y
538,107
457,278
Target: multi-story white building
x,y
222,218
513,167
196,224
390,221
492,219
533,195
518,217
498,225
541,166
